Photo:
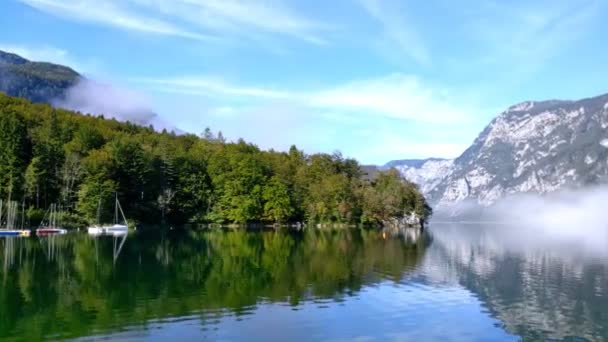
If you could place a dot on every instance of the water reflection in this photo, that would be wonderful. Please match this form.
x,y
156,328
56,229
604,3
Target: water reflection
x,y
452,283
538,290
73,285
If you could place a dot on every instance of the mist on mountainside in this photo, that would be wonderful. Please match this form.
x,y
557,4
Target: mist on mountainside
x,y
94,97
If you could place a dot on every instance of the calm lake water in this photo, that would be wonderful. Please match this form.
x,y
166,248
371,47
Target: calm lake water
x,y
460,283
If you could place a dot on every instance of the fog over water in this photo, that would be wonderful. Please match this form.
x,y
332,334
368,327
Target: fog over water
x,y
575,221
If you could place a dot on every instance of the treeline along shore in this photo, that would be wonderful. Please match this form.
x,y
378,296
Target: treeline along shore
x,y
53,156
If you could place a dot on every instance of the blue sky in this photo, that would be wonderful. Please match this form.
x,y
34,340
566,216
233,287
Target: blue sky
x,y
375,79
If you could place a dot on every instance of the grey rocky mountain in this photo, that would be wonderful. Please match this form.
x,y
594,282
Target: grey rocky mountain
x,y
427,173
532,147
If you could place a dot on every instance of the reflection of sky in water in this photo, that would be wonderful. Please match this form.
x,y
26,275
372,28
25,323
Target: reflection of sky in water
x,y
385,312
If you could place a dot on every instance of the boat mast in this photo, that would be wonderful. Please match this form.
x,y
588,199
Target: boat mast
x,y
99,210
23,213
10,215
58,216
116,209
121,212
46,214
52,219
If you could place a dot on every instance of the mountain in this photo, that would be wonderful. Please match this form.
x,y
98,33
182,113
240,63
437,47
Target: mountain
x,y
35,81
412,163
532,147
427,173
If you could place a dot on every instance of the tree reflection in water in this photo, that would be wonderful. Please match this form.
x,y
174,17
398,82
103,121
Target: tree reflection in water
x,y
74,285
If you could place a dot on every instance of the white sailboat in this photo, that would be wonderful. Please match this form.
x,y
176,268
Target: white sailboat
x,y
96,228
116,229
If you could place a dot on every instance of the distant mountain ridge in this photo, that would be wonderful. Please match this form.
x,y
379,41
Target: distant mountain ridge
x,y
532,147
415,163
35,81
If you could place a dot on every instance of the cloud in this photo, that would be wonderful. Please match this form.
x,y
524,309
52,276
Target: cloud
x,y
100,98
370,139
526,36
399,31
114,14
394,96
243,18
211,20
209,85
375,120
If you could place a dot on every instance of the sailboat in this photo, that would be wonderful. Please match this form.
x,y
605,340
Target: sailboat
x,y
52,226
11,221
116,229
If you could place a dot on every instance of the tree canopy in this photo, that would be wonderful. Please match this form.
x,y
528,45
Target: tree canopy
x,y
50,155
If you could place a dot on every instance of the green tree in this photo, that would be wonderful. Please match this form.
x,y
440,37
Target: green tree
x,y
13,153
277,206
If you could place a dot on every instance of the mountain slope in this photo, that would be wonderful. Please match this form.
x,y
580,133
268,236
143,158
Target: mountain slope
x,y
532,147
411,163
427,173
35,81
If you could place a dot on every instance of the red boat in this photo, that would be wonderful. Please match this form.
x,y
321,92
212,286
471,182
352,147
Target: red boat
x,y
50,231
50,222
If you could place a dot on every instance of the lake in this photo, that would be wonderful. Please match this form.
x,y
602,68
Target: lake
x,y
450,283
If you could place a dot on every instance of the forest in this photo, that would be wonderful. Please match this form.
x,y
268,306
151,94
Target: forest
x,y
77,161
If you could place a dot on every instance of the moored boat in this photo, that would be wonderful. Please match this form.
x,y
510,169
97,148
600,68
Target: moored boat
x,y
116,229
50,231
95,230
14,232
50,224
10,227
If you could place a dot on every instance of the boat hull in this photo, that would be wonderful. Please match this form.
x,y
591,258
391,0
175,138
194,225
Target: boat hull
x,y
95,230
18,232
50,231
117,229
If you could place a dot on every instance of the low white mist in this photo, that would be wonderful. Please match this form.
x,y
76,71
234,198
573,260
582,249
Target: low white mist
x,y
93,97
572,221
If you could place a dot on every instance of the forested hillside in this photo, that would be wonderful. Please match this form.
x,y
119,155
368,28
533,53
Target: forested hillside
x,y
55,156
35,81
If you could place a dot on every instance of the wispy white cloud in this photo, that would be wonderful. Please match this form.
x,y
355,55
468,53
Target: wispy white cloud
x,y
395,96
375,120
112,13
524,36
210,85
242,18
208,20
401,34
